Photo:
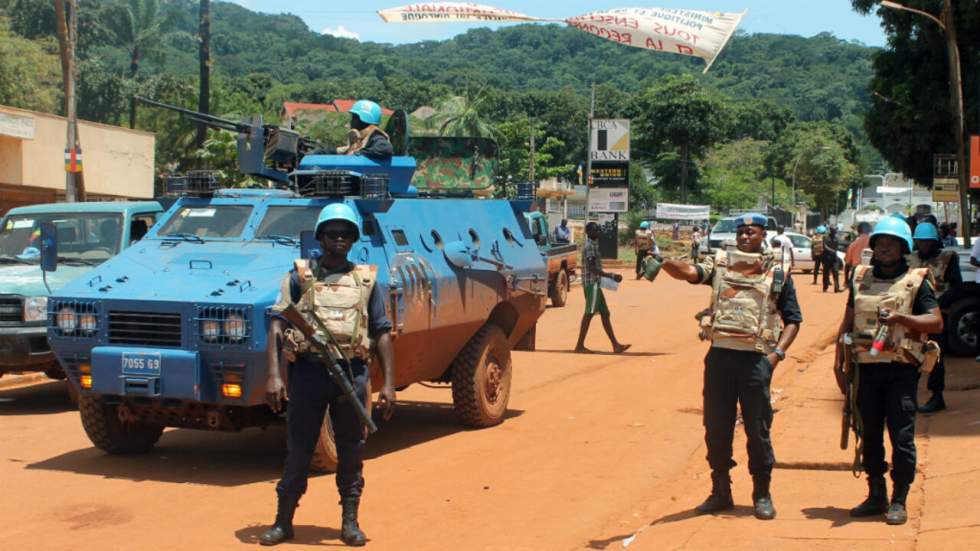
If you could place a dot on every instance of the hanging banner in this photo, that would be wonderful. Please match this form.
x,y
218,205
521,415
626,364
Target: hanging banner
x,y
693,33
686,32
451,12
975,162
668,211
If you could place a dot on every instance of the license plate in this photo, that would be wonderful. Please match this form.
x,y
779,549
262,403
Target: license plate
x,y
141,363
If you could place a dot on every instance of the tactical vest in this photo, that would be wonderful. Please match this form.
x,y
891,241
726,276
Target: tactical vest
x,y
937,266
359,139
643,240
898,294
743,313
816,246
338,303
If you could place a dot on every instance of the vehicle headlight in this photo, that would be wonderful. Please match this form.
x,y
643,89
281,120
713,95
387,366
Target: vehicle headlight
x,y
67,320
88,323
210,329
35,308
234,326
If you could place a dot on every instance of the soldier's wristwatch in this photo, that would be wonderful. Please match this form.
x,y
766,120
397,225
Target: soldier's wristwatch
x,y
779,353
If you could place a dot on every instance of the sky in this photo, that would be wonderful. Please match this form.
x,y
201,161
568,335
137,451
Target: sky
x,y
358,19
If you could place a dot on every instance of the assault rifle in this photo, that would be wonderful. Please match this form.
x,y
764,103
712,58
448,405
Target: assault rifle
x,y
330,362
846,376
258,143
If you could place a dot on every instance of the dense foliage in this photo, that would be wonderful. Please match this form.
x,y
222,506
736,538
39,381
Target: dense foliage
x,y
501,83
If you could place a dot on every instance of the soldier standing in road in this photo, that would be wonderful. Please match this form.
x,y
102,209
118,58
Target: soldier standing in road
x,y
337,296
944,266
645,241
829,260
753,319
816,250
890,311
595,301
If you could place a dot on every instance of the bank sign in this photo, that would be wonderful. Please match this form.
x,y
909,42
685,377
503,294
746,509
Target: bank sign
x,y
610,140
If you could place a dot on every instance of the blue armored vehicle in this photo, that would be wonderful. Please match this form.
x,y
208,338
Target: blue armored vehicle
x,y
176,331
90,234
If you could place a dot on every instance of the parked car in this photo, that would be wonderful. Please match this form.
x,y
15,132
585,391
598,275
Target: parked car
x,y
802,261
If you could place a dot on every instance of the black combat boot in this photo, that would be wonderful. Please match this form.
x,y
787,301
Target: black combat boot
x,y
721,495
761,499
350,532
935,403
877,501
896,512
282,529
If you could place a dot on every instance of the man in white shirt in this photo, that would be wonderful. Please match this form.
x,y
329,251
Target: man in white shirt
x,y
783,241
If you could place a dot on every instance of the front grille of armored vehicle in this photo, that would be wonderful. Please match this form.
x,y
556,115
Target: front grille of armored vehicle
x,y
144,328
11,310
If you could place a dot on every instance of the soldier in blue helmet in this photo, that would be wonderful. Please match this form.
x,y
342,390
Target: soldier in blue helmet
x,y
890,312
816,250
645,243
753,319
366,138
340,297
944,266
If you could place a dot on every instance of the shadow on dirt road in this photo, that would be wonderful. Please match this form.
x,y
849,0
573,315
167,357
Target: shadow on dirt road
x,y
304,535
37,399
184,456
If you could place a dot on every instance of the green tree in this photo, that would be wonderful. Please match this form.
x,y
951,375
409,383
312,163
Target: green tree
x,y
909,119
821,157
736,176
137,26
30,73
681,115
461,116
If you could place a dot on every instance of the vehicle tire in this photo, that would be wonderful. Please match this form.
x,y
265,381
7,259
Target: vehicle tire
x,y
54,371
481,376
559,295
961,332
72,393
325,454
104,428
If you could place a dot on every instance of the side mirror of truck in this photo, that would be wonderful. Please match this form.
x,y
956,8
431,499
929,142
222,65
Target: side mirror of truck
x,y
458,254
49,247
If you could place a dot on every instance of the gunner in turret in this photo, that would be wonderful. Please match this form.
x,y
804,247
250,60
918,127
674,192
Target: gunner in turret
x,y
365,137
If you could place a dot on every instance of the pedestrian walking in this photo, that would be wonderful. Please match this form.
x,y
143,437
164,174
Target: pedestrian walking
x,y
784,245
944,267
345,306
855,251
751,322
696,238
891,308
644,243
595,300
829,260
816,250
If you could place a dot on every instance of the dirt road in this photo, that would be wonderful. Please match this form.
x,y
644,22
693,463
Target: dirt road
x,y
600,452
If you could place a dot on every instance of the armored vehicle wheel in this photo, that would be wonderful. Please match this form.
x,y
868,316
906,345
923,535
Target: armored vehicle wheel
x,y
325,454
481,375
560,293
961,330
105,428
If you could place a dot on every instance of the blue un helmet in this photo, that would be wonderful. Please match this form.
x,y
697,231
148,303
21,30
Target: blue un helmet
x,y
895,227
821,229
368,111
927,230
644,225
339,211
751,219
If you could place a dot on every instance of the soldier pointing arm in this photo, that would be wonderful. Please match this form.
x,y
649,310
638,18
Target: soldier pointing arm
x,y
751,322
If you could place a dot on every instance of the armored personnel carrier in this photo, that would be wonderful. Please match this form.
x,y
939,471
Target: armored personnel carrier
x,y
175,326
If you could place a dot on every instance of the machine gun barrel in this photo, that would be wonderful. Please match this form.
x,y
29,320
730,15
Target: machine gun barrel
x,y
330,362
210,120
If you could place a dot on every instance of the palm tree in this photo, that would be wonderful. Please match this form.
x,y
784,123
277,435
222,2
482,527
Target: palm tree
x,y
204,57
460,116
137,25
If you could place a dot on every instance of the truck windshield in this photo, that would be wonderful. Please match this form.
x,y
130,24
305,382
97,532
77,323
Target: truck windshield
x,y
209,221
82,238
283,221
725,225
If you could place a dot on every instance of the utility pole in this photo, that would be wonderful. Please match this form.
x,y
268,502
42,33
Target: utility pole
x,y
959,126
66,19
588,155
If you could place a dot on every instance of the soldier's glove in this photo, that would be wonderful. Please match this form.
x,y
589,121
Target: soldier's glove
x,y
293,342
651,267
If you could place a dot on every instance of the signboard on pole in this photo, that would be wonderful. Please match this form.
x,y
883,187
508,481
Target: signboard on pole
x,y
610,140
609,200
946,179
610,175
975,162
668,211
